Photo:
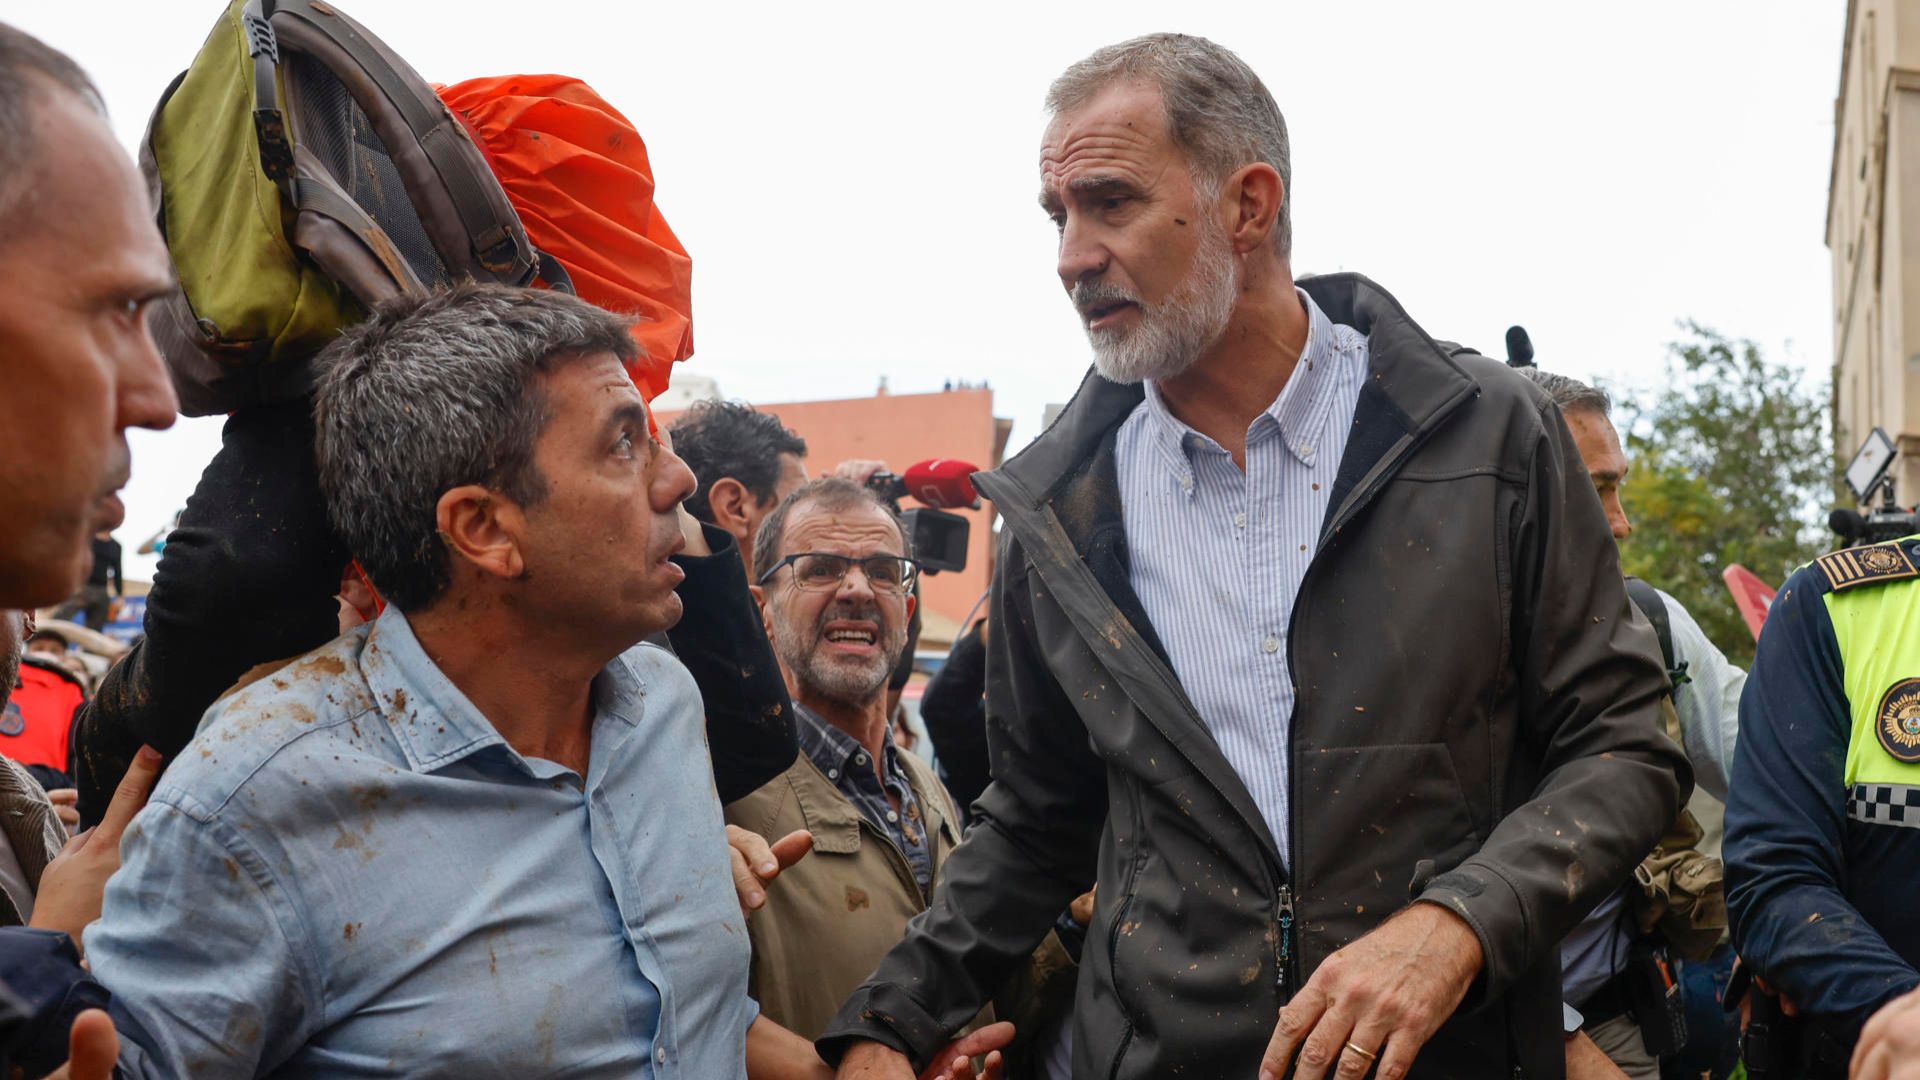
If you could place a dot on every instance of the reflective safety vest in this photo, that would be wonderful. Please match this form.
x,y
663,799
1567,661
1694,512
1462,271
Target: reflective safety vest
x,y
1874,604
1823,808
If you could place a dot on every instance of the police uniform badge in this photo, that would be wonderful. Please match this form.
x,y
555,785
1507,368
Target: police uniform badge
x,y
1858,566
12,720
1898,722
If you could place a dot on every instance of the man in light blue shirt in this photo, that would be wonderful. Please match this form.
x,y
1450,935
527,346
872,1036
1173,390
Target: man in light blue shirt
x,y
478,837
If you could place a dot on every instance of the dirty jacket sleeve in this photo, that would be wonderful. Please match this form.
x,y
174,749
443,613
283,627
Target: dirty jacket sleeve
x,y
1031,850
1786,823
1608,781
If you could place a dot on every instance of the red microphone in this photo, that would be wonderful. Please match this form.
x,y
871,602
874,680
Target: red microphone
x,y
943,483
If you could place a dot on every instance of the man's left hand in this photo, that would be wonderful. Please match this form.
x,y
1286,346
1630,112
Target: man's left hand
x,y
1378,1000
756,862
955,1060
72,885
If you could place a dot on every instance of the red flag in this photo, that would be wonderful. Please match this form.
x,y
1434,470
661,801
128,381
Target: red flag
x,y
1751,595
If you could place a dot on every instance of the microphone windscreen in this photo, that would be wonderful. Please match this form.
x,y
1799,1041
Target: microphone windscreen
x,y
943,483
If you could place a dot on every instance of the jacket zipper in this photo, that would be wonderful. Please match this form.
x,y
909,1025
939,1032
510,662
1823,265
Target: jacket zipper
x,y
1285,977
1284,959
1113,958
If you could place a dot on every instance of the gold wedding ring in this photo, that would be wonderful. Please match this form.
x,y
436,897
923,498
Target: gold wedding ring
x,y
1368,1054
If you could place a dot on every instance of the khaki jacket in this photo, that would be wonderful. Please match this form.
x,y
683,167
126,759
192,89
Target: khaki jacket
x,y
832,916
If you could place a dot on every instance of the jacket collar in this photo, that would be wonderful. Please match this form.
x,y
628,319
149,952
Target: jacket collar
x,y
1060,498
835,822
1411,381
437,725
1297,416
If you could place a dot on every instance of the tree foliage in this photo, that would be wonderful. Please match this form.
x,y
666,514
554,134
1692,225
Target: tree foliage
x,y
1731,463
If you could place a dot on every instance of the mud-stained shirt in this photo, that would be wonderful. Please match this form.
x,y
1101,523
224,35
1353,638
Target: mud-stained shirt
x,y
349,873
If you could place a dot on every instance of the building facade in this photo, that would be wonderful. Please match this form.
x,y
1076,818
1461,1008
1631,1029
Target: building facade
x,y
1873,233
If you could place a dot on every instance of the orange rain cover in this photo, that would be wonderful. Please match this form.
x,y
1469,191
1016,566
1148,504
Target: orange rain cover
x,y
576,171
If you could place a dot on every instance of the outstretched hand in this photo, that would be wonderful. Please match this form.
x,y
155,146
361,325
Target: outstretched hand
x,y
73,883
955,1060
756,862
875,1061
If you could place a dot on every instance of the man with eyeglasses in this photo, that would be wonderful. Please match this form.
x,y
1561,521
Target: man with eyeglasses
x,y
834,573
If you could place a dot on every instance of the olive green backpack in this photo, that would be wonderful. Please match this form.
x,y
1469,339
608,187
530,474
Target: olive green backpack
x,y
302,172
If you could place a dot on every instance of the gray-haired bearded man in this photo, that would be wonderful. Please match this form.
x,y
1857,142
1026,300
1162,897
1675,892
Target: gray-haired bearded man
x,y
1309,644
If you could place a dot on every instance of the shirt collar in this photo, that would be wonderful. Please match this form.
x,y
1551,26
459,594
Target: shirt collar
x,y
434,722
833,751
1302,407
1297,414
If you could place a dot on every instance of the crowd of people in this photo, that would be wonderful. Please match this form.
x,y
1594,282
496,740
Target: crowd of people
x,y
481,727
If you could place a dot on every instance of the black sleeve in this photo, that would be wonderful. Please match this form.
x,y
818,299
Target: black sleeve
x,y
1786,840
955,709
42,988
249,576
722,641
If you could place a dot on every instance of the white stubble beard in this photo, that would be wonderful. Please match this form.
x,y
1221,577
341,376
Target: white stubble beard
x,y
1172,334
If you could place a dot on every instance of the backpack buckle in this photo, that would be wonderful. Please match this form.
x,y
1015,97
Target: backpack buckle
x,y
276,154
497,250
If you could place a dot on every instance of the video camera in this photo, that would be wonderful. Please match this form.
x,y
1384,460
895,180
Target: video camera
x,y
1868,474
939,539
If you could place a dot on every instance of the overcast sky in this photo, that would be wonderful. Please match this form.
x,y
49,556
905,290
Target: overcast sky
x,y
856,182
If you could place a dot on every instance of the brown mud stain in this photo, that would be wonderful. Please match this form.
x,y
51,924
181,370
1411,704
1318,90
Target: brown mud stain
x,y
325,665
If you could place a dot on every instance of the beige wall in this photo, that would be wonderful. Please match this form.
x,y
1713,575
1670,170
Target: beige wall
x,y
1873,233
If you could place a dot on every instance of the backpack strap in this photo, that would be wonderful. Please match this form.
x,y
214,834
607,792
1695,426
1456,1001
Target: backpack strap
x,y
1647,599
496,243
269,122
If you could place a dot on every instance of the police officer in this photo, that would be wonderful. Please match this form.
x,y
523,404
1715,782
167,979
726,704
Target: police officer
x,y
1823,819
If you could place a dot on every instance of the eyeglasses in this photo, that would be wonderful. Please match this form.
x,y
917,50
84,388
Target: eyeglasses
x,y
817,571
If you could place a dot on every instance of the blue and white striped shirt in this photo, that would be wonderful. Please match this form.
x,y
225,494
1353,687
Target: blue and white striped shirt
x,y
1217,555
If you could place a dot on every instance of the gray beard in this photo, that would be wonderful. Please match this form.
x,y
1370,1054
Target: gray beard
x,y
1172,335
840,680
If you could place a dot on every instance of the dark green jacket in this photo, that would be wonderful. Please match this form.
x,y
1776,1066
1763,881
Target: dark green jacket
x,y
1477,725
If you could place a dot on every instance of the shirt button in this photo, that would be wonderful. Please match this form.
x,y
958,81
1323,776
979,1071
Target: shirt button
x,y
859,759
660,1055
1240,519
1272,644
892,816
833,774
